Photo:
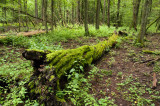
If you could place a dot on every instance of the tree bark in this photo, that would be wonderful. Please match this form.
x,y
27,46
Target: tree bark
x,y
52,9
118,16
136,4
108,13
104,8
36,9
26,17
97,14
86,18
143,22
45,14
19,17
78,11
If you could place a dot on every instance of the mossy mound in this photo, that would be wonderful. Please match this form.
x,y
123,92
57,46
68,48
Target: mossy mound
x,y
50,67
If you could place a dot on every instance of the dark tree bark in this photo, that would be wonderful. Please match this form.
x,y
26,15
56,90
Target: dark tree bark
x,y
86,18
45,14
104,8
36,9
19,17
42,11
108,13
72,13
52,9
78,11
136,4
26,17
118,16
97,14
144,21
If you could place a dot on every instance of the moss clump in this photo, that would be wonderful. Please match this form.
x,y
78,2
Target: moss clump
x,y
151,52
50,66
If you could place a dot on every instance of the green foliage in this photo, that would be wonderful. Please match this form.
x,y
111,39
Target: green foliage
x,y
77,90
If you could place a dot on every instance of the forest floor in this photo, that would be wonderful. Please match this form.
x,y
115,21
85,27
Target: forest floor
x,y
129,81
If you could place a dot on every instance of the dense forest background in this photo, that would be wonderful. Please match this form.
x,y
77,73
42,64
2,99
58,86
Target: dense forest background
x,y
79,52
27,13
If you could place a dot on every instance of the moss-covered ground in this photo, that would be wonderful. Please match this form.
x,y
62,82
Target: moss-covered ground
x,y
117,78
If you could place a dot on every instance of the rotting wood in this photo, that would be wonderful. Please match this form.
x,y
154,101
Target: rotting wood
x,y
50,67
31,33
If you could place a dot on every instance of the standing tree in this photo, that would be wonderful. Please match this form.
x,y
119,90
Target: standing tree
x,y
52,9
118,16
45,14
136,4
144,21
36,9
26,17
97,14
104,8
108,13
86,17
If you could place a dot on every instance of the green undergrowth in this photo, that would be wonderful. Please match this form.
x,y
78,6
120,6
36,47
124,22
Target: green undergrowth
x,y
53,38
77,90
14,74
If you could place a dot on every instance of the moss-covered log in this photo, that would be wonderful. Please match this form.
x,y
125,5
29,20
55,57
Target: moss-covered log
x,y
51,66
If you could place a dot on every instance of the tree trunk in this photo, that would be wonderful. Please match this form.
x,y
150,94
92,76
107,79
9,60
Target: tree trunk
x,y
104,8
108,13
78,11
52,19
42,11
143,22
118,16
26,17
50,68
45,14
97,14
72,14
86,18
136,4
19,17
36,9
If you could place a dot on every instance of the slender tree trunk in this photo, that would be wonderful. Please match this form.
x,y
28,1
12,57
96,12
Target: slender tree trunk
x,y
108,13
104,8
97,14
52,5
144,21
118,16
45,14
136,4
78,11
86,18
72,14
26,17
19,2
82,12
42,11
36,9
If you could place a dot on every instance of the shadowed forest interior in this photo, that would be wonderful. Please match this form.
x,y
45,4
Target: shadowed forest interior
x,y
80,52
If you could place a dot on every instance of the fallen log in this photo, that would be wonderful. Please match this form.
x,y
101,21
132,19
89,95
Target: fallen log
x,y
31,33
50,67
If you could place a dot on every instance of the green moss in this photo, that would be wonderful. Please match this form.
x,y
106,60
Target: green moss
x,y
51,78
151,52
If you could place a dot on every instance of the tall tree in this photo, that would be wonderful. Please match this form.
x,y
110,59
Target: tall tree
x,y
52,9
86,17
118,16
26,17
108,13
97,14
78,11
104,8
144,21
136,4
45,14
19,17
36,9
